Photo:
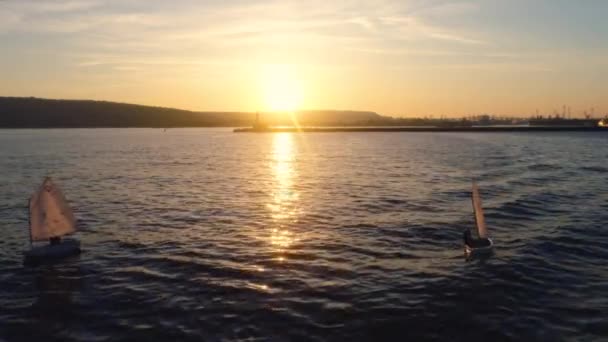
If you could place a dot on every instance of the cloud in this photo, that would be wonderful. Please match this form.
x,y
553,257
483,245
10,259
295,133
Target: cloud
x,y
452,37
447,9
128,32
230,20
411,26
57,6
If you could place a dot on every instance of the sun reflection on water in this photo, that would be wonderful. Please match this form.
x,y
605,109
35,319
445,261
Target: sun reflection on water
x,y
284,205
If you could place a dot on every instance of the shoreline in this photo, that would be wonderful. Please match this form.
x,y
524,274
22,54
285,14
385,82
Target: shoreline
x,y
424,129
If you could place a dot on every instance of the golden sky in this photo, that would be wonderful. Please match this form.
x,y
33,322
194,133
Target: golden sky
x,y
399,58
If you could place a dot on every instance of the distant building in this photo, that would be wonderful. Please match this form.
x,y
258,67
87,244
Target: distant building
x,y
258,125
484,120
558,121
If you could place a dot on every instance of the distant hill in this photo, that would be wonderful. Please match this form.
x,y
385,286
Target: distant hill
x,y
29,112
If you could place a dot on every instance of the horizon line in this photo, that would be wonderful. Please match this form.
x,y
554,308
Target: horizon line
x,y
554,114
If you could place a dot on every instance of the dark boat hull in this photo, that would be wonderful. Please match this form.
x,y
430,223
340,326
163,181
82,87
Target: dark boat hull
x,y
473,250
40,254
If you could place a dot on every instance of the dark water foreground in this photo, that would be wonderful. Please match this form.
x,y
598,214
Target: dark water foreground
x,y
208,235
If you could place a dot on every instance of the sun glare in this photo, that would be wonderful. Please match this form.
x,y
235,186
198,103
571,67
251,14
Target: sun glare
x,y
282,88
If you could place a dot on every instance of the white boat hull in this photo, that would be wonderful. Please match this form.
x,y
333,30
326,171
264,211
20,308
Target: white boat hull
x,y
66,248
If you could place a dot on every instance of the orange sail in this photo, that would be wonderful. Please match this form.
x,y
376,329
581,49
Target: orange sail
x,y
50,214
478,210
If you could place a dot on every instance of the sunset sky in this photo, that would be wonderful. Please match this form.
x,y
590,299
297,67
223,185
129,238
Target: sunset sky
x,y
399,58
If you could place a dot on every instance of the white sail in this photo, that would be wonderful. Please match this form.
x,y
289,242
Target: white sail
x,y
50,214
479,218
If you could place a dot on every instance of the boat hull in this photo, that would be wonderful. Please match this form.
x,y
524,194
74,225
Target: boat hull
x,y
64,249
468,250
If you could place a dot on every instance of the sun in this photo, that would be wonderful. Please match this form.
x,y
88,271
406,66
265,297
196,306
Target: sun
x,y
282,88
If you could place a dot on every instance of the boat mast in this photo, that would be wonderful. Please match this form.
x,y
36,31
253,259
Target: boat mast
x,y
29,220
474,210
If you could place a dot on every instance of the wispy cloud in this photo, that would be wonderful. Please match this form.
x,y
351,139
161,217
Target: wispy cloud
x,y
195,21
447,8
412,26
130,31
56,6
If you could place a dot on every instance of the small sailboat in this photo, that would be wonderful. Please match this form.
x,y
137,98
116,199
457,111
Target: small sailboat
x,y
50,218
482,242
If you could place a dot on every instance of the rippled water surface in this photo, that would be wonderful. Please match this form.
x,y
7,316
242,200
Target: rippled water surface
x,y
210,235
